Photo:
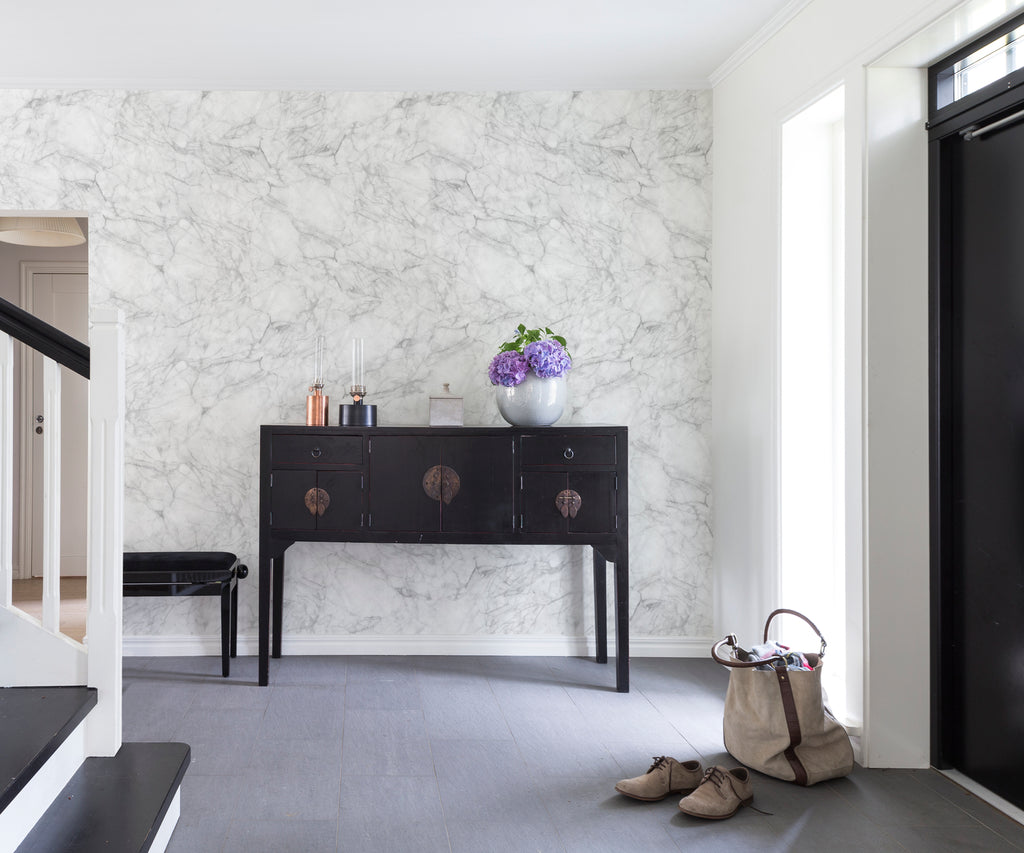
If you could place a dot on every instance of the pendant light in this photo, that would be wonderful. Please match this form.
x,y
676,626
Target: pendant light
x,y
41,231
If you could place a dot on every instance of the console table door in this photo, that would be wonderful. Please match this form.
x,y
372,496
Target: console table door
x,y
483,465
596,508
397,498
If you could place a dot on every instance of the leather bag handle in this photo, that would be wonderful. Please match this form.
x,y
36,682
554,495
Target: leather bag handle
x,y
814,627
730,640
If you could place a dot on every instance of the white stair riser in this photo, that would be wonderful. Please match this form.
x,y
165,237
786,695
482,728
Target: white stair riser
x,y
17,820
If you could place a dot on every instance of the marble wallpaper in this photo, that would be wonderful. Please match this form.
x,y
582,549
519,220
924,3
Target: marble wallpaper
x,y
232,228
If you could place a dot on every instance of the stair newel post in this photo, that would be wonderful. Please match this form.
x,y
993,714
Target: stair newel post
x,y
6,469
106,527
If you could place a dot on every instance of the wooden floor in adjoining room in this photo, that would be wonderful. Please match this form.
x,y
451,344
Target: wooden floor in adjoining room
x,y
28,596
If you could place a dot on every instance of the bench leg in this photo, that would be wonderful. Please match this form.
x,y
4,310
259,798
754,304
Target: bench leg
x,y
234,619
225,629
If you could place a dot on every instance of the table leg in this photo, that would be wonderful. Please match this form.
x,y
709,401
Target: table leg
x,y
622,619
278,599
266,568
601,606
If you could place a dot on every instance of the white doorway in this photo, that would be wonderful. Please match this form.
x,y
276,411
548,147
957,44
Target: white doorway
x,y
57,292
812,446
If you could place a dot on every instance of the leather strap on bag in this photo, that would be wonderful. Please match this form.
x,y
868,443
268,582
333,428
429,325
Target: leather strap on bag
x,y
730,640
814,627
792,723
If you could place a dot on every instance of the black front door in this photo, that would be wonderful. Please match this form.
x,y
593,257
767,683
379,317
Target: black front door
x,y
980,393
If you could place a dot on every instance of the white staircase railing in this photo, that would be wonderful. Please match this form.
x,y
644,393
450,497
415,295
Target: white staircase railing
x,y
34,652
106,529
6,470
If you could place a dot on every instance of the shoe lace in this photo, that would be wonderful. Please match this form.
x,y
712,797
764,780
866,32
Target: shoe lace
x,y
715,776
659,761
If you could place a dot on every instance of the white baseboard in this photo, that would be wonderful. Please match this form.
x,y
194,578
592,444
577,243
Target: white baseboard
x,y
460,644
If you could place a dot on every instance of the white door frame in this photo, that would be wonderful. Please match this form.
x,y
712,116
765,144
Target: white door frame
x,y
25,526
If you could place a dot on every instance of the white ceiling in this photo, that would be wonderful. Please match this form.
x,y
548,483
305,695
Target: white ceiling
x,y
377,45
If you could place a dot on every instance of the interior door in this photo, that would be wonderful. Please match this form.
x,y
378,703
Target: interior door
x,y
983,715
62,300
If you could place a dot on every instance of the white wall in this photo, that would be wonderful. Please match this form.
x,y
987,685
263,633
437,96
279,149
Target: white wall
x,y
828,43
232,227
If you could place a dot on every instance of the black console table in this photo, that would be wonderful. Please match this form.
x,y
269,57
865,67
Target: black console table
x,y
450,485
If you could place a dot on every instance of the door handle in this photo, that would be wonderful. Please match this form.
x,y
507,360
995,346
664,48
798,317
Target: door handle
x,y
568,503
441,483
317,501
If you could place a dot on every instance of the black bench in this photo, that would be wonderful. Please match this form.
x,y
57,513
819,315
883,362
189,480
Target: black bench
x,y
148,573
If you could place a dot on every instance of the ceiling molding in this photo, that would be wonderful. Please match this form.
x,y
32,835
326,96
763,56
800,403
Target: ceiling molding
x,y
758,40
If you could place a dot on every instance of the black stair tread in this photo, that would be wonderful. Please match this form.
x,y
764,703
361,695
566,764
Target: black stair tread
x,y
34,722
114,805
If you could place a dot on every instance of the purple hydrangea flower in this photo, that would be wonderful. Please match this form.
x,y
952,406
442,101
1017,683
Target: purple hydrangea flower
x,y
508,368
547,358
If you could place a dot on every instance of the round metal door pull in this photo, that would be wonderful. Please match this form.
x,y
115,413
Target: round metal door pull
x,y
317,501
568,503
441,483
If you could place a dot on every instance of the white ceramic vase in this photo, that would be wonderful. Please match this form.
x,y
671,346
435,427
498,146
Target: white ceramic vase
x,y
535,401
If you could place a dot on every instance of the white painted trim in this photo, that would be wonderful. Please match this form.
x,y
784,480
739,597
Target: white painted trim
x,y
163,834
18,819
51,495
6,469
454,645
779,20
106,526
994,800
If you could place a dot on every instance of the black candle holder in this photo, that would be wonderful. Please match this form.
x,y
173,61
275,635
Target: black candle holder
x,y
357,413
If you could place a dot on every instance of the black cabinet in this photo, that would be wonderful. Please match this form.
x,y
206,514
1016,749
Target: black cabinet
x,y
316,482
568,503
499,485
444,484
317,500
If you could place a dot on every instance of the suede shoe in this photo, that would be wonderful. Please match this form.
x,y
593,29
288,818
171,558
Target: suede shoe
x,y
720,794
666,776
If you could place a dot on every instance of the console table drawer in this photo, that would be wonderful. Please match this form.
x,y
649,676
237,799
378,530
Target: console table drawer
x,y
566,449
316,450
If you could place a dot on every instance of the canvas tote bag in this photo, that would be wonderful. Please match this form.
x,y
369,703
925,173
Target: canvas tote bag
x,y
776,722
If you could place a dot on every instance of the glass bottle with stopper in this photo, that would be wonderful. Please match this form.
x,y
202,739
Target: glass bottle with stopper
x,y
316,401
357,413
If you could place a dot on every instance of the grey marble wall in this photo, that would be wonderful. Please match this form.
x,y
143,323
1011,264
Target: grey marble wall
x,y
233,227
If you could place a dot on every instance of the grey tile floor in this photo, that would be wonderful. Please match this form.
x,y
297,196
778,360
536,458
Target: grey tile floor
x,y
478,754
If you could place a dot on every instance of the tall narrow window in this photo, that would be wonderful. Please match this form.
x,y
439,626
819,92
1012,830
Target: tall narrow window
x,y
812,508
